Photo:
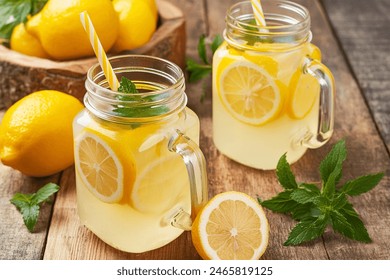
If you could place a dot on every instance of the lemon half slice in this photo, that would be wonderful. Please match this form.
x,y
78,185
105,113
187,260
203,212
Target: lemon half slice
x,y
249,93
162,184
232,226
305,92
99,168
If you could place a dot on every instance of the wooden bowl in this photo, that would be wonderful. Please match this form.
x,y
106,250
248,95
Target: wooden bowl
x,y
21,74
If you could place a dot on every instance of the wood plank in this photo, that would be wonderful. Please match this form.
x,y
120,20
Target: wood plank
x,y
363,30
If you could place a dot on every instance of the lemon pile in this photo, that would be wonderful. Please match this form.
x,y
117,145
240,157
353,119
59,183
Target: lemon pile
x,y
56,31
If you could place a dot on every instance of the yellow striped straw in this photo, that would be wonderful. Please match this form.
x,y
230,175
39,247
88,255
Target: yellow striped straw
x,y
258,12
99,51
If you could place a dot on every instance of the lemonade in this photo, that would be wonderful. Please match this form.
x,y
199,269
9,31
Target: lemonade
x,y
269,89
132,182
155,183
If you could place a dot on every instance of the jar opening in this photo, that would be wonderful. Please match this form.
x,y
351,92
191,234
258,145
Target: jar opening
x,y
159,82
287,23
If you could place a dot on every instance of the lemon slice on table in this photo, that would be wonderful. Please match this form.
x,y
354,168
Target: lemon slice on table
x,y
232,226
305,91
99,168
249,93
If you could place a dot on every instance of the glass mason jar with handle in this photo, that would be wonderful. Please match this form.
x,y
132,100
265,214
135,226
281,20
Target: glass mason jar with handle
x,y
271,93
139,176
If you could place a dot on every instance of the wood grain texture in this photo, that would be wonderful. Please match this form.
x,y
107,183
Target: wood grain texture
x,y
21,74
363,30
68,239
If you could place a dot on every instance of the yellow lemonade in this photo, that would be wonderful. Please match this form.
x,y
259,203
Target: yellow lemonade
x,y
140,174
264,101
154,182
271,93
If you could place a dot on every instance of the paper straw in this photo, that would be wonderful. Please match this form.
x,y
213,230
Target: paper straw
x,y
258,12
99,51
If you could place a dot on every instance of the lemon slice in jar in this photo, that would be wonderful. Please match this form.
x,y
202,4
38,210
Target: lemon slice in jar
x,y
99,167
249,93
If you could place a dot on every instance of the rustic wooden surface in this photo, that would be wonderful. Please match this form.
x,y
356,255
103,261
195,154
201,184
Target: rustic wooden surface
x,y
363,124
21,74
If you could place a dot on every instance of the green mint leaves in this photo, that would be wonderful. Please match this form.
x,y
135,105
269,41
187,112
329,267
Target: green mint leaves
x,y
14,12
127,86
199,70
132,95
29,204
316,208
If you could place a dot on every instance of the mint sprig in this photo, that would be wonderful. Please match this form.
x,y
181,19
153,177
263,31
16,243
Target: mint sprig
x,y
29,204
132,95
198,71
316,208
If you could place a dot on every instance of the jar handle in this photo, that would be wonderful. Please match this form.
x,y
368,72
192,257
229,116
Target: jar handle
x,y
325,79
196,168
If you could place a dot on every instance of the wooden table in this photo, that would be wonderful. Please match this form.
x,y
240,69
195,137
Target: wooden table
x,y
354,38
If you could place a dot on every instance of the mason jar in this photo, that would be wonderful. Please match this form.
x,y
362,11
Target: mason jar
x,y
140,174
271,93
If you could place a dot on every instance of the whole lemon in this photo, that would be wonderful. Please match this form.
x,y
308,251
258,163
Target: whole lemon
x,y
36,133
137,23
61,33
23,42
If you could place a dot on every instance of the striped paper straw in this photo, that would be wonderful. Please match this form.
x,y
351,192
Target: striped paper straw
x,y
258,12
99,51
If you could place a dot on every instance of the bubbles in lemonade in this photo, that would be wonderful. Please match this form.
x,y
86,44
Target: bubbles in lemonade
x,y
263,102
129,191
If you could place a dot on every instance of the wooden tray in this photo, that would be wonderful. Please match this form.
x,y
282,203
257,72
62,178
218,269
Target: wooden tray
x,y
21,74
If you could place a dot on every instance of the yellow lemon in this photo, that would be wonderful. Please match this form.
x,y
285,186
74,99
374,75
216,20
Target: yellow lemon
x,y
248,92
36,133
61,34
231,226
137,23
23,42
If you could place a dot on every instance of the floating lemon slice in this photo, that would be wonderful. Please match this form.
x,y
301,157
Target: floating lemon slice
x,y
232,226
99,168
305,92
159,186
249,93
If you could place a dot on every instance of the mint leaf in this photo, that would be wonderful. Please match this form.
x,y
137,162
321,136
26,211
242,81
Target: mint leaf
x,y
197,71
30,215
133,95
307,230
281,203
305,193
339,201
44,193
333,163
304,211
359,230
285,176
29,204
127,86
14,12
340,224
362,184
202,49
217,41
